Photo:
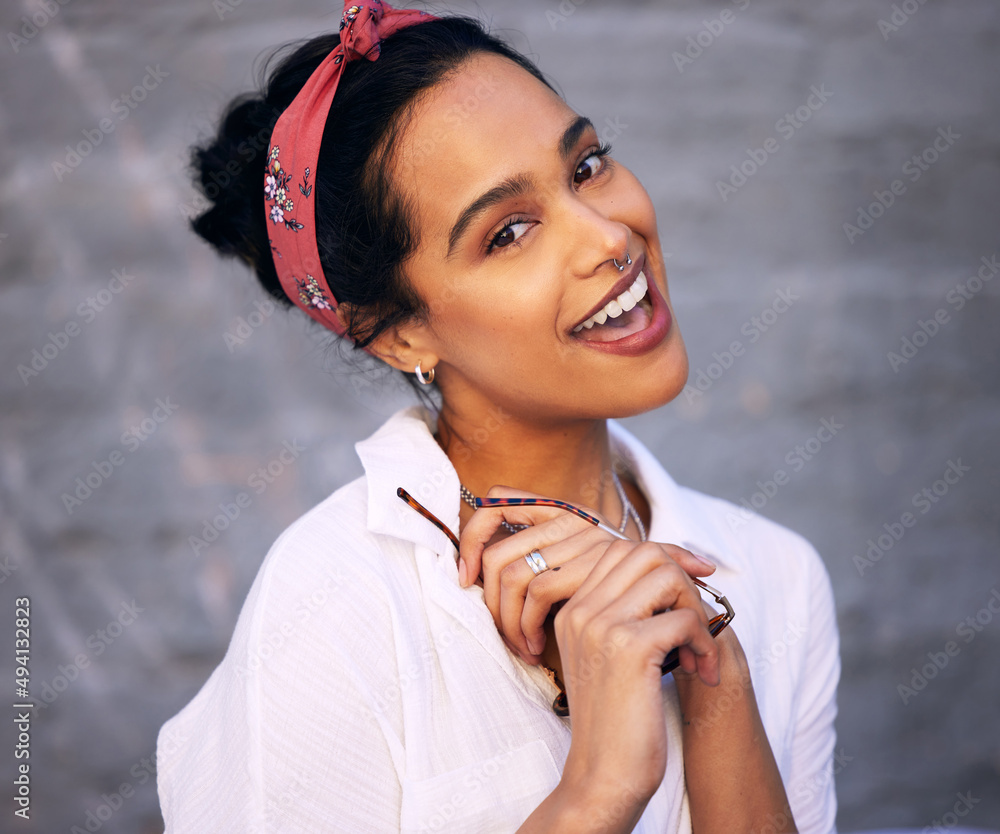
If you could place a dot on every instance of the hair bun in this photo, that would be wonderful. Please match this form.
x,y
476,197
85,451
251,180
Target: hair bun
x,y
229,171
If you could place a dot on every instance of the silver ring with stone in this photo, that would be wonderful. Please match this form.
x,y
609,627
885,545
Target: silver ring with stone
x,y
536,562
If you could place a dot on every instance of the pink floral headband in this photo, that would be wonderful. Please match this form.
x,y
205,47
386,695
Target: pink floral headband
x,y
297,136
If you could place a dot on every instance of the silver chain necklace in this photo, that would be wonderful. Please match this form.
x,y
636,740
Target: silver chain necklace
x,y
628,510
470,499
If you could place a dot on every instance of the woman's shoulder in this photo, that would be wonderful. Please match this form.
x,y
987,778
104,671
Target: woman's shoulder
x,y
747,534
338,576
332,534
329,553
314,631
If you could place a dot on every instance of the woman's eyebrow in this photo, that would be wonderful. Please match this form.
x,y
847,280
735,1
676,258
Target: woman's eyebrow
x,y
572,135
512,186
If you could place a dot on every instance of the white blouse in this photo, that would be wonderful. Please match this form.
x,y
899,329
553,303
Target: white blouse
x,y
365,691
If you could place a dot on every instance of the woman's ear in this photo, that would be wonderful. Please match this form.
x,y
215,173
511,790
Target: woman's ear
x,y
400,346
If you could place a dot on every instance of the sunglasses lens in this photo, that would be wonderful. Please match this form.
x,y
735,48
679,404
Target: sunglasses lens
x,y
716,624
671,661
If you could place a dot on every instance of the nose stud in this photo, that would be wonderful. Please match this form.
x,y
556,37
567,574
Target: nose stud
x,y
621,267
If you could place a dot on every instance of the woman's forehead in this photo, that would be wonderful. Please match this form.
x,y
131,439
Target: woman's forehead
x,y
488,121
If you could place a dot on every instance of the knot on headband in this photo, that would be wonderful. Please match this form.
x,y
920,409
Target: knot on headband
x,y
362,39
294,153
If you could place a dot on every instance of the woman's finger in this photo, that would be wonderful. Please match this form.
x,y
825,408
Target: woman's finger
x,y
694,564
618,569
698,654
507,575
507,557
638,587
552,587
687,658
682,628
646,584
506,587
483,525
527,599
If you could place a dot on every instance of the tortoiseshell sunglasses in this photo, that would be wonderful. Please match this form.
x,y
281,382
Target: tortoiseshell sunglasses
x,y
561,706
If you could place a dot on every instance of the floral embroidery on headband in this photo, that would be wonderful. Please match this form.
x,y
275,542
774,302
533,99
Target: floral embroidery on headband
x,y
276,191
349,16
311,294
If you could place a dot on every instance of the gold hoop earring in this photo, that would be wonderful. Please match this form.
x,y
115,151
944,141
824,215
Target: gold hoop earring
x,y
424,380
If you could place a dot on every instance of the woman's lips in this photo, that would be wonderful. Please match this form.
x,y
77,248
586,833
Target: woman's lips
x,y
626,280
653,325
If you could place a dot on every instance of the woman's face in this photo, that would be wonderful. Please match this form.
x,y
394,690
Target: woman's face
x,y
518,216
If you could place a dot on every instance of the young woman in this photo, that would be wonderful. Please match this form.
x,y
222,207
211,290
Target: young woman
x,y
428,196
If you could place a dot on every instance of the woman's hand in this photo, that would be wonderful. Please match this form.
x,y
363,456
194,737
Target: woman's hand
x,y
519,601
612,643
627,605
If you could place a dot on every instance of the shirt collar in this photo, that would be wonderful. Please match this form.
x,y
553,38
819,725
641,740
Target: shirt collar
x,y
404,453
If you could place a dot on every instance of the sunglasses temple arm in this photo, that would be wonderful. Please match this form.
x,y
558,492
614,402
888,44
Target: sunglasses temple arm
x,y
612,531
411,502
559,505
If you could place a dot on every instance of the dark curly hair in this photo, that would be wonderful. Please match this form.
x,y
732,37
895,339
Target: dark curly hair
x,y
363,224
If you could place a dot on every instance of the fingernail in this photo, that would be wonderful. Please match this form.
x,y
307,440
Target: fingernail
x,y
532,647
461,572
704,561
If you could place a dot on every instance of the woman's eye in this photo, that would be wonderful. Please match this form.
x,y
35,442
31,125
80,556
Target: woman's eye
x,y
509,234
590,166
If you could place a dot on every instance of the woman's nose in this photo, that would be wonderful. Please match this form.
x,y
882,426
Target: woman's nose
x,y
599,241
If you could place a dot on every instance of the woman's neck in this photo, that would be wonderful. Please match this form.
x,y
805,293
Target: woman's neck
x,y
571,461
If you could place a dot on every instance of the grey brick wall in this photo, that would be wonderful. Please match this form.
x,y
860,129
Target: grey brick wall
x,y
140,364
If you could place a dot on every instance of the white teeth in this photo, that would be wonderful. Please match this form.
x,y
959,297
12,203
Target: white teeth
x,y
614,308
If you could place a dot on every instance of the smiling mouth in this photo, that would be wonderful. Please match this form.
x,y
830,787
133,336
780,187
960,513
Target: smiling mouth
x,y
628,313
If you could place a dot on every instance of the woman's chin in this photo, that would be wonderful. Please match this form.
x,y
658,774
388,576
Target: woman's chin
x,y
667,380
656,387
